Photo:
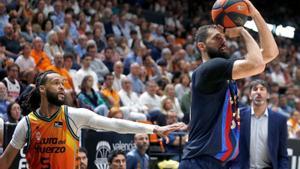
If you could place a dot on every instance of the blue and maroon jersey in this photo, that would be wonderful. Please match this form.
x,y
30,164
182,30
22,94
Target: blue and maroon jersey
x,y
214,125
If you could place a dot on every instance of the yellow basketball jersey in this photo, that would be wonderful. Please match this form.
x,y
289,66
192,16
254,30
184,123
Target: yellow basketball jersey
x,y
52,144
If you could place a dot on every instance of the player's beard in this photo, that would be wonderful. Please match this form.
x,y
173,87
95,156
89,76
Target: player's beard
x,y
215,53
53,99
83,166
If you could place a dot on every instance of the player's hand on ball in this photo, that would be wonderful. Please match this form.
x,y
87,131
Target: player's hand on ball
x,y
234,32
251,8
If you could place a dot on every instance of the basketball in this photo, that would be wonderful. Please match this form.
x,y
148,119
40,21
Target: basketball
x,y
230,13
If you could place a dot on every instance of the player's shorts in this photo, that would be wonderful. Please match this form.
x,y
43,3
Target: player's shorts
x,y
202,162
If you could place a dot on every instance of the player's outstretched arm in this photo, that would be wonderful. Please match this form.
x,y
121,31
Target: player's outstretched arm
x,y
84,118
268,45
253,63
8,157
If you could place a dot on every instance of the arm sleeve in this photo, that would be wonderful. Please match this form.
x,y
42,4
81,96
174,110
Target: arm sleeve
x,y
19,137
84,118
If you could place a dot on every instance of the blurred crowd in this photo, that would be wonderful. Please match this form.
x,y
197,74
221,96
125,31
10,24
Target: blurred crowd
x,y
129,59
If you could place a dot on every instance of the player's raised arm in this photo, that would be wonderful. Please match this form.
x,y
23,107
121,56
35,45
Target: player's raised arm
x,y
268,45
253,63
87,119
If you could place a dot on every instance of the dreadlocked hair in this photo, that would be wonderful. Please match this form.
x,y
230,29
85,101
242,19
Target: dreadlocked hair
x,y
30,99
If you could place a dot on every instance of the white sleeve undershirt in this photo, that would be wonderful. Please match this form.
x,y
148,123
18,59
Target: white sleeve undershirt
x,y
84,118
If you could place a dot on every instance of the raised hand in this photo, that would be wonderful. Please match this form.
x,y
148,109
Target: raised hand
x,y
251,7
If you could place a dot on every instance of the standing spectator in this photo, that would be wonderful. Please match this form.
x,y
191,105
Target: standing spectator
x,y
42,61
137,158
82,156
117,159
14,112
118,75
14,87
25,61
263,142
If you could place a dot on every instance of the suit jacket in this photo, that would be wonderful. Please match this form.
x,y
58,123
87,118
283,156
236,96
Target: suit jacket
x,y
277,140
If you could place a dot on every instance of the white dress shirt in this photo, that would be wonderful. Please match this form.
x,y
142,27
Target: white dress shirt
x,y
259,157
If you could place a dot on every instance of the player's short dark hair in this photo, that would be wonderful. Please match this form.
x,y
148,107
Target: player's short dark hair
x,y
83,150
114,154
256,82
202,33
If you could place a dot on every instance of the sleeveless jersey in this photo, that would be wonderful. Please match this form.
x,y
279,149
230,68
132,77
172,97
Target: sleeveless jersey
x,y
13,89
51,141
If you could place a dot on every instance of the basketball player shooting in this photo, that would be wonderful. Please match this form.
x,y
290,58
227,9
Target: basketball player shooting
x,y
50,131
214,126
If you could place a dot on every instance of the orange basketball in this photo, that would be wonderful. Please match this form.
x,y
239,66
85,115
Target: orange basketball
x,y
230,13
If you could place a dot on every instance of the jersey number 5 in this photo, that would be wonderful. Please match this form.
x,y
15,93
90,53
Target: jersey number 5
x,y
45,162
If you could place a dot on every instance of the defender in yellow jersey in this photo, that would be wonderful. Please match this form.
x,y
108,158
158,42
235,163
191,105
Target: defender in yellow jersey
x,y
50,130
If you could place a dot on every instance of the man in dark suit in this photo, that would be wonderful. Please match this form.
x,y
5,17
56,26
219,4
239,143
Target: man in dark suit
x,y
263,140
